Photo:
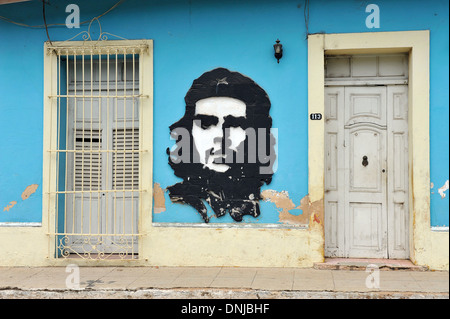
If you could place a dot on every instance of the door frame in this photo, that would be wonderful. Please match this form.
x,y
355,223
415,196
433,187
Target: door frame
x,y
416,44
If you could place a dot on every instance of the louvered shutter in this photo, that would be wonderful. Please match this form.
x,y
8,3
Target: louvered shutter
x,y
88,164
126,163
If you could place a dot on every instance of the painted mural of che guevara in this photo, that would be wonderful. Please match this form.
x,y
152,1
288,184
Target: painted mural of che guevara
x,y
224,147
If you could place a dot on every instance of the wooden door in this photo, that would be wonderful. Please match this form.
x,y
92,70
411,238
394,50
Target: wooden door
x,y
366,153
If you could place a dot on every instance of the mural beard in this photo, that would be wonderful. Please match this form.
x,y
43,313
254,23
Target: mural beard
x,y
236,189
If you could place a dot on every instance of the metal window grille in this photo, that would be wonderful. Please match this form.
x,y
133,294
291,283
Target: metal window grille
x,y
98,146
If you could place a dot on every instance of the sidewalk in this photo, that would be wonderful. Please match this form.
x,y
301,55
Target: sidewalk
x,y
218,283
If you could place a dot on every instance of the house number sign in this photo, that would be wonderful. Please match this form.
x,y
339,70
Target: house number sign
x,y
316,116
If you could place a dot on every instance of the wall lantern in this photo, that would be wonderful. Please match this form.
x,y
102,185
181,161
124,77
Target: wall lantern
x,y
278,50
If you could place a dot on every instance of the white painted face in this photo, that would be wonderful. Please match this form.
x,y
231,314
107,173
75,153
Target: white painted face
x,y
215,117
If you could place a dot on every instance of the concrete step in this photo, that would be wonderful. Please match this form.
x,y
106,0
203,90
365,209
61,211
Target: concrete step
x,y
363,263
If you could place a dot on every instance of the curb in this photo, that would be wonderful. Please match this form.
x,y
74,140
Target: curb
x,y
193,293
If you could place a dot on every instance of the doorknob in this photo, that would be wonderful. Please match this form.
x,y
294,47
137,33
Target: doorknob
x,y
365,162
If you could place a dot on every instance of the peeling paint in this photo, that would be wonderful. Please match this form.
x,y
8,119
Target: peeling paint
x,y
158,199
283,202
313,209
317,219
29,191
11,205
443,189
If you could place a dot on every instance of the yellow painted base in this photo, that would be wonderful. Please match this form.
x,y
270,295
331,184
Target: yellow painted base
x,y
182,246
192,246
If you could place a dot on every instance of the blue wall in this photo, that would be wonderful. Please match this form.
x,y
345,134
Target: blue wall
x,y
191,37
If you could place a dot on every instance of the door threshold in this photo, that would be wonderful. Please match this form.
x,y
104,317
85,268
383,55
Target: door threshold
x,y
363,263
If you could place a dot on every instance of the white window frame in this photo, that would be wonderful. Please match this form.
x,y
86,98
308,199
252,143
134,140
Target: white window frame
x,y
50,125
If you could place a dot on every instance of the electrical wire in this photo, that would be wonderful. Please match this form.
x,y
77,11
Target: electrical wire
x,y
306,15
45,22
46,26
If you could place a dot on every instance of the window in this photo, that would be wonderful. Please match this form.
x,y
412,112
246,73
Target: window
x,y
97,136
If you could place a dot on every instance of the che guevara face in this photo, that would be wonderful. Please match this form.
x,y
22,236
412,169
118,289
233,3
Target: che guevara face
x,y
224,149
218,129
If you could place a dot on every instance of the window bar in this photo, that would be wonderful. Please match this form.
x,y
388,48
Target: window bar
x,y
124,138
67,143
115,154
82,142
93,191
140,134
101,151
100,136
107,143
95,96
74,130
58,116
132,157
91,141
58,133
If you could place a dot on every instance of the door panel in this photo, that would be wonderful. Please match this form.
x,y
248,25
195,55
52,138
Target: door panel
x,y
398,182
365,105
365,181
331,222
366,172
365,221
332,154
334,174
366,154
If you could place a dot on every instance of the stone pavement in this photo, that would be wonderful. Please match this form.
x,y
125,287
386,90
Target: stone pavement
x,y
218,283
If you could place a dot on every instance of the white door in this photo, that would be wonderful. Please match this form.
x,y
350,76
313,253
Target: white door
x,y
366,153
